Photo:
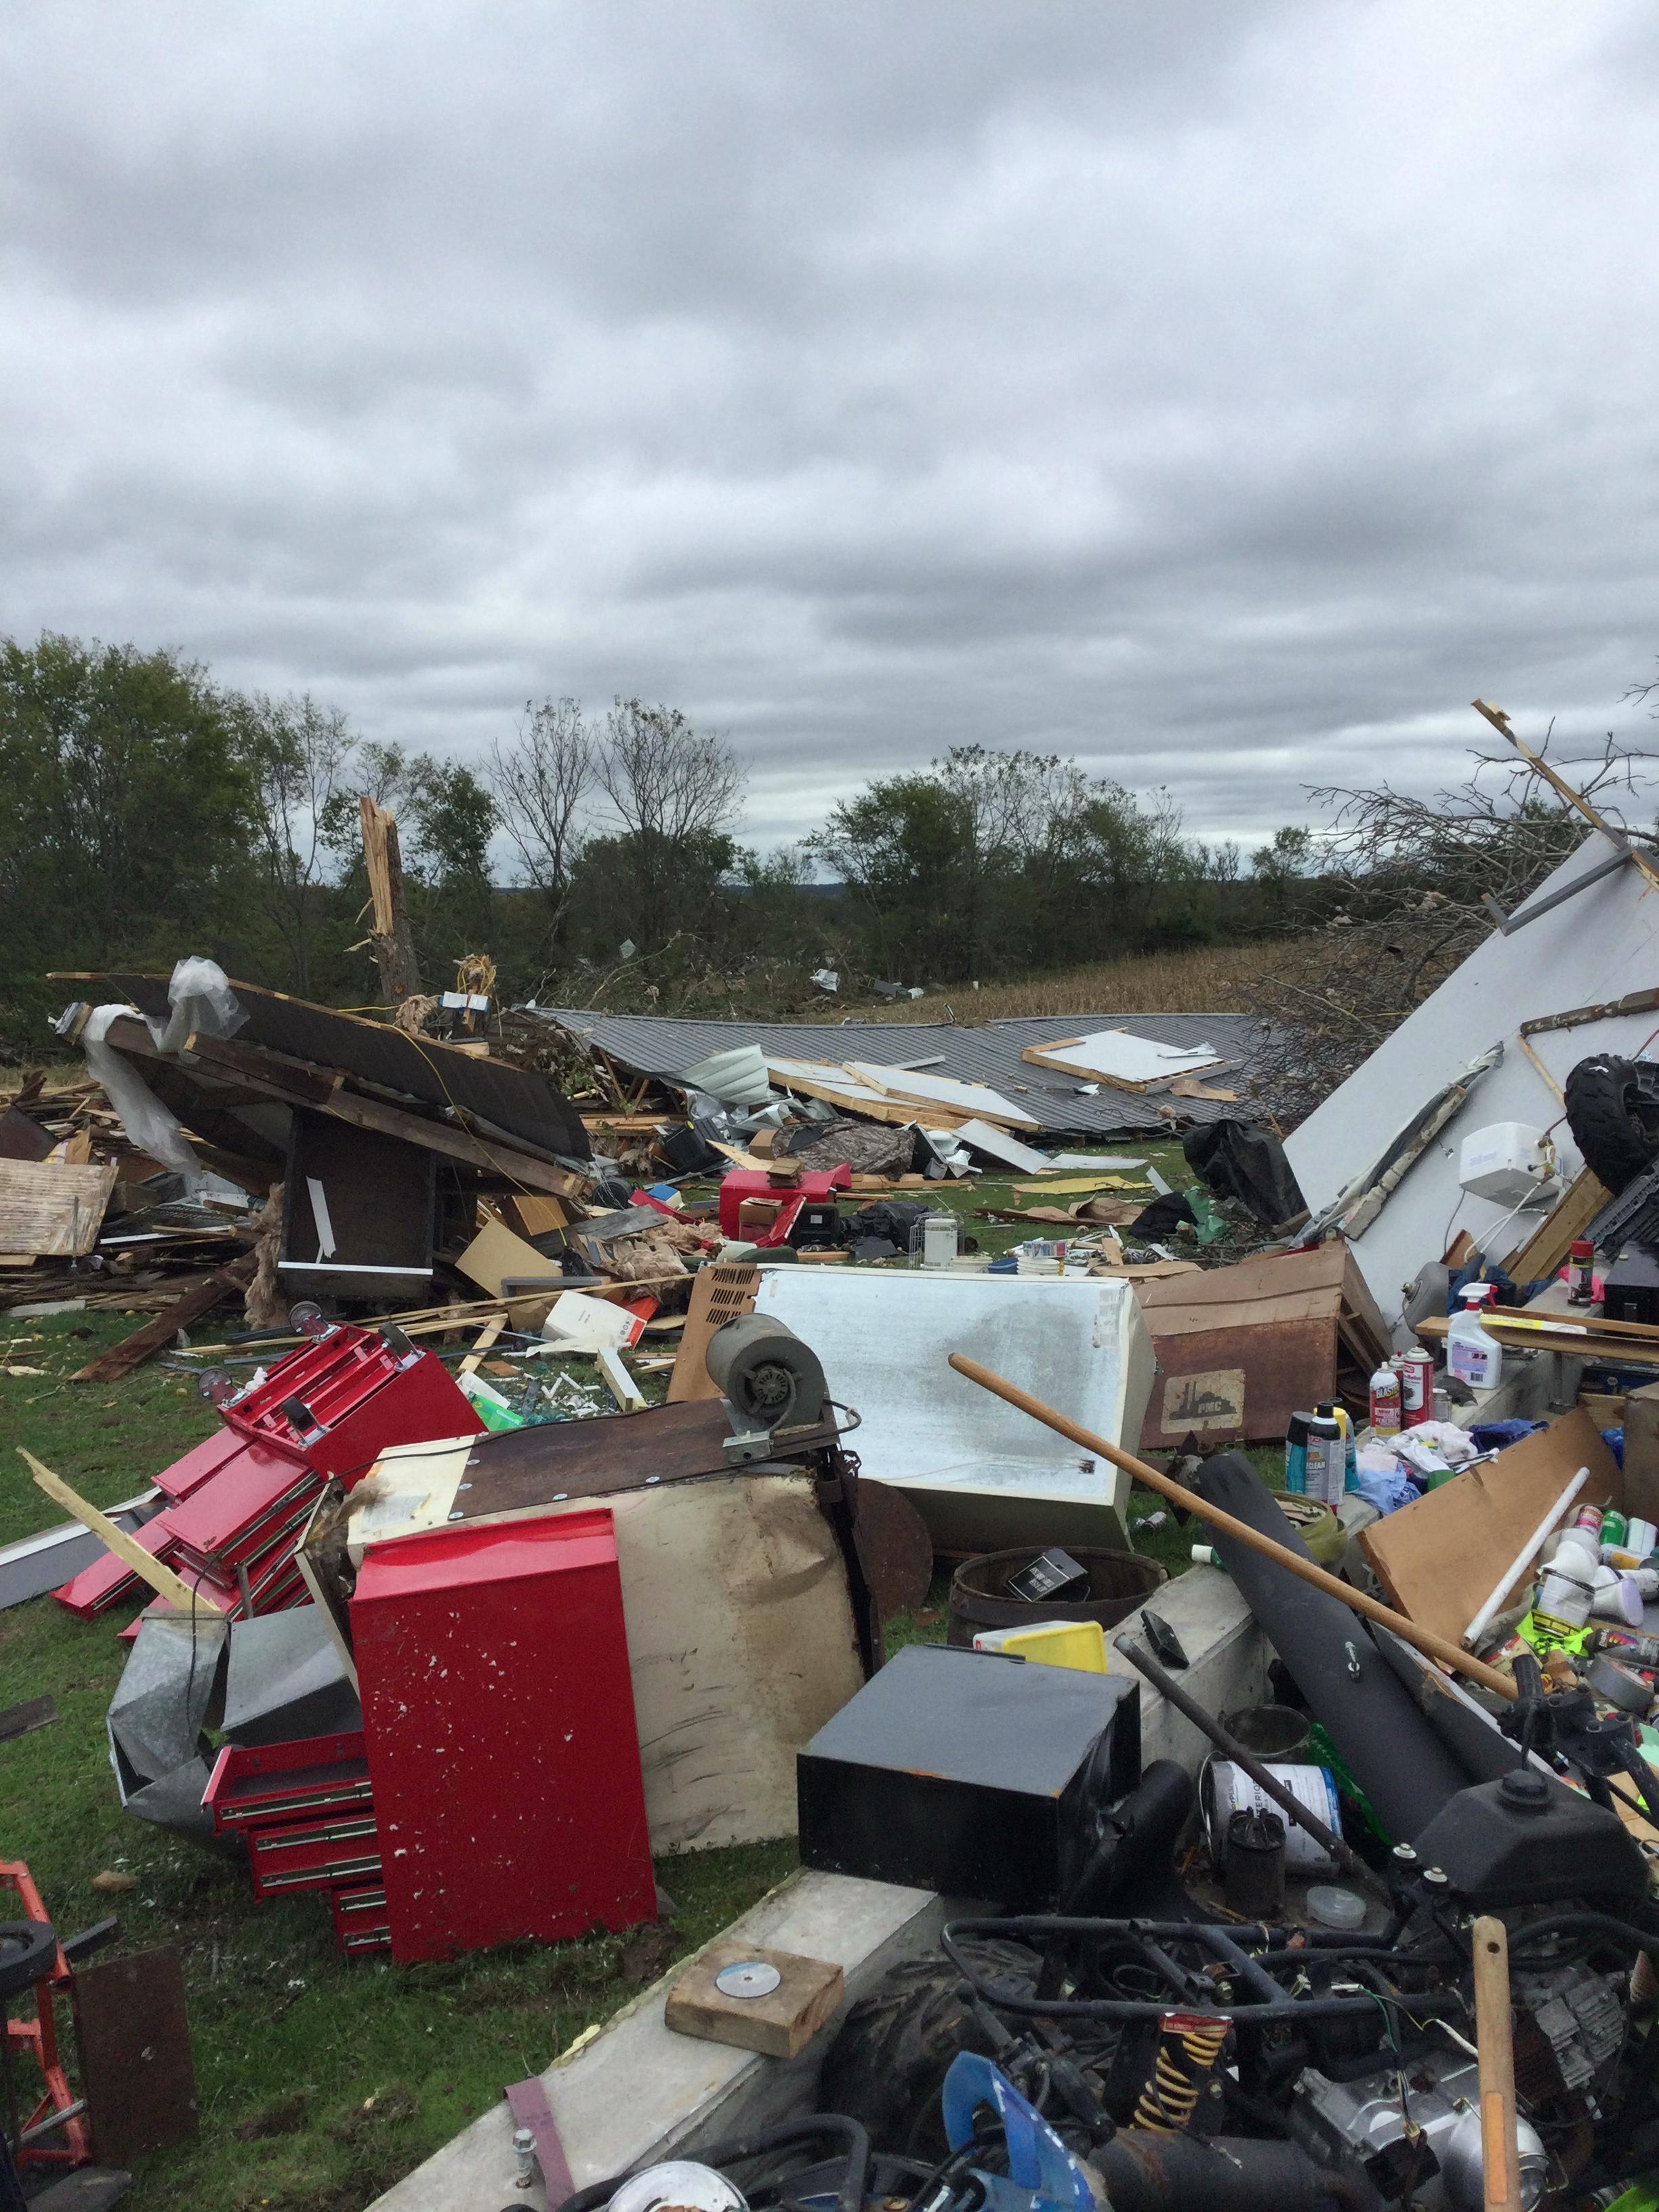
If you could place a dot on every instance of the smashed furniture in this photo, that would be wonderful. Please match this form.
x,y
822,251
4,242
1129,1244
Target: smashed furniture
x,y
748,1577
237,1502
1240,1349
375,1136
981,1478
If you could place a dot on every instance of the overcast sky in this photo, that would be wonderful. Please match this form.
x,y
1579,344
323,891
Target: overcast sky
x,y
1226,393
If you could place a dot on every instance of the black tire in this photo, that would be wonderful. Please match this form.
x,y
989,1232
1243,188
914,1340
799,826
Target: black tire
x,y
887,2066
1613,1110
28,1951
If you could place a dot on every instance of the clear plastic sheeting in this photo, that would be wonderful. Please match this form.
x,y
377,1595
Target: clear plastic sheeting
x,y
150,1126
200,995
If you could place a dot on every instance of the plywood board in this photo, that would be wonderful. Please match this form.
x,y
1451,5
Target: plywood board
x,y
1438,1560
52,1209
496,1251
1121,1058
975,1098
836,1087
1544,1251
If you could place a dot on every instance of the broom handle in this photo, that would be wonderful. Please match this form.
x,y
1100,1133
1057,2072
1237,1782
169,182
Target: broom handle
x,y
1425,1640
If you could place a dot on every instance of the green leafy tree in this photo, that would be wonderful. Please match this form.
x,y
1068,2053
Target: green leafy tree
x,y
127,822
298,754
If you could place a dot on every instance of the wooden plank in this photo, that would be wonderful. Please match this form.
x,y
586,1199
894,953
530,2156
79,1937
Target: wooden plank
x,y
201,1297
487,1335
976,1100
1437,1559
1554,1333
51,1209
858,1102
1547,1247
161,1579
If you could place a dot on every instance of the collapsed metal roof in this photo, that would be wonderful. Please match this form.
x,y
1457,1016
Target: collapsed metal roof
x,y
661,1045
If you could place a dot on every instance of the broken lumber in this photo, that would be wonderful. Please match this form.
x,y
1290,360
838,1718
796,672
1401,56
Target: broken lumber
x,y
161,1579
132,1351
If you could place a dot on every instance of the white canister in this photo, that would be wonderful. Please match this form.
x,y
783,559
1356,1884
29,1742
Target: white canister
x,y
1225,1789
1564,1595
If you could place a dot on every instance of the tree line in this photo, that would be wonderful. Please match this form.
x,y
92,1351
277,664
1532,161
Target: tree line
x,y
150,810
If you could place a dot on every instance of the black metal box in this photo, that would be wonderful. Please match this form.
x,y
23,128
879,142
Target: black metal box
x,y
969,1773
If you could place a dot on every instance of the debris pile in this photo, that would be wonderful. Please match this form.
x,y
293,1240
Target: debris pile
x,y
1296,1837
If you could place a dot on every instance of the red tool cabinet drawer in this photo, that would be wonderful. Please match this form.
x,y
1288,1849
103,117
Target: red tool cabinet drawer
x,y
256,1784
360,1920
314,1854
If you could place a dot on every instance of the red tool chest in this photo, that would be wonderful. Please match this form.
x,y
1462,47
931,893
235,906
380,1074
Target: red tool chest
x,y
240,1499
339,1400
319,1854
498,1715
360,1921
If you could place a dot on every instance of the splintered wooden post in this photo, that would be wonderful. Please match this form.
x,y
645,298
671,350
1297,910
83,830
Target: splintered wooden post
x,y
394,943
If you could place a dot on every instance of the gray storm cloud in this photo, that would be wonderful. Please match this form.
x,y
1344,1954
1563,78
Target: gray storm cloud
x,y
1224,395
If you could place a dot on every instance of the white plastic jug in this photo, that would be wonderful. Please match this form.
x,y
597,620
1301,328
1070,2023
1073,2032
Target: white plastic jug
x,y
1472,1355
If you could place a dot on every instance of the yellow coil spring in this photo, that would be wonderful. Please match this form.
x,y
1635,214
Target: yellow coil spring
x,y
1189,2048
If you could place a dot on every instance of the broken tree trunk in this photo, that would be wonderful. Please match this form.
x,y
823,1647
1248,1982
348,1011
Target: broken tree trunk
x,y
394,941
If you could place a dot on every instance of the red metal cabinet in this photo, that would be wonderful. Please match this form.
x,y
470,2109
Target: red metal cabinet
x,y
498,1715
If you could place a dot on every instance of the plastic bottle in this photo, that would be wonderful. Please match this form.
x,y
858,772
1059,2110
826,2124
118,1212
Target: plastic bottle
x,y
1327,1459
1387,1403
1330,1411
1296,1454
1472,1355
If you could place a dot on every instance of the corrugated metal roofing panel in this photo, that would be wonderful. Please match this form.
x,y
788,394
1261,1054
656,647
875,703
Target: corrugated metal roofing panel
x,y
660,1045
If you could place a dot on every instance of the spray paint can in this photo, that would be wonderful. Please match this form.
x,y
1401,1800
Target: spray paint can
x,y
1330,1411
1296,1454
1416,1371
1581,1273
1327,1459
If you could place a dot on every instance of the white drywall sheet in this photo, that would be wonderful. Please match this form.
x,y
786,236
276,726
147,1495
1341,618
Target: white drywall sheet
x,y
1595,946
981,1475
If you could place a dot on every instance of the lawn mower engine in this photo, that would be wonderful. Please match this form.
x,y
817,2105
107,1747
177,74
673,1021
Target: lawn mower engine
x,y
1190,2067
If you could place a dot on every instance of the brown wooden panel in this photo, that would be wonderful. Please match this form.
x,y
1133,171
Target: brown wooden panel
x,y
134,2042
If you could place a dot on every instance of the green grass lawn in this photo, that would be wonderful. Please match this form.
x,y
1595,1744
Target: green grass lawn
x,y
319,2083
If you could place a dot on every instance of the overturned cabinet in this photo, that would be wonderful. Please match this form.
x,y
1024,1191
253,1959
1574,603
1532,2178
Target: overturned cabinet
x,y
358,1212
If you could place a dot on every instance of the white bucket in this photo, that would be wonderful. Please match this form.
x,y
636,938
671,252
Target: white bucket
x,y
1225,1789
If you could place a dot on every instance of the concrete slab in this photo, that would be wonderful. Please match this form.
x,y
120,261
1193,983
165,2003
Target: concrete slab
x,y
639,2091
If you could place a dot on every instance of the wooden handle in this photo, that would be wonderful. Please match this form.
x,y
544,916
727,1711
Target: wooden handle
x,y
1500,2154
1422,1639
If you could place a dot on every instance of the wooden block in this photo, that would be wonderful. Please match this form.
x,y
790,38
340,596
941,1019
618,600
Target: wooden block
x,y
814,1257
778,2024
764,1143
